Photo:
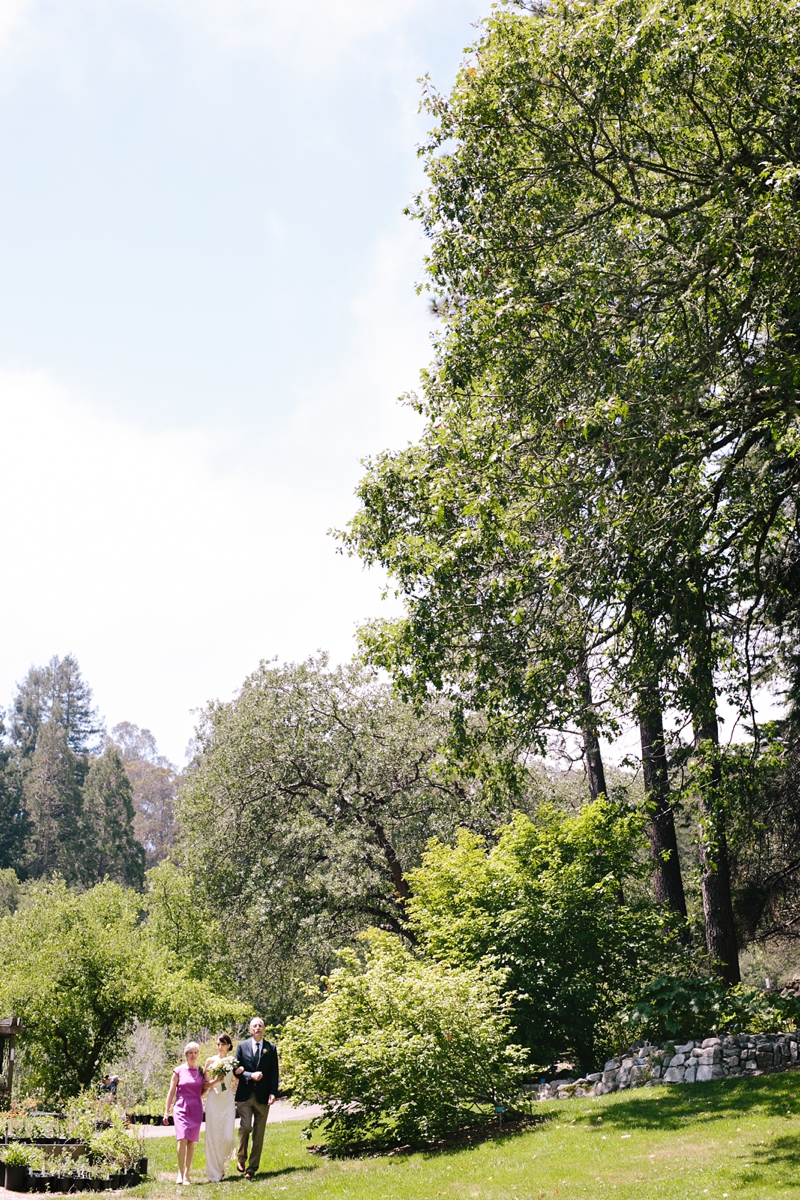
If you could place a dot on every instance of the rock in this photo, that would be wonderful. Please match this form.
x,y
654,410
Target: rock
x,y
705,1073
715,1041
712,1055
750,1065
609,1076
612,1065
627,1063
764,1058
678,1060
594,1077
690,1073
602,1089
687,1049
656,1072
674,1075
666,1061
637,1072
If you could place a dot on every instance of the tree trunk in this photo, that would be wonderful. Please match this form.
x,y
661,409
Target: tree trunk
x,y
667,879
721,940
591,742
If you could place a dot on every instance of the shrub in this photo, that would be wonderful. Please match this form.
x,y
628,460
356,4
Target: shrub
x,y
683,1008
16,1154
546,903
403,1050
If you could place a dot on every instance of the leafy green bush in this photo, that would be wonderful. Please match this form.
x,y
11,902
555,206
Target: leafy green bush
x,y
116,1146
17,1154
683,1008
546,903
82,968
403,1050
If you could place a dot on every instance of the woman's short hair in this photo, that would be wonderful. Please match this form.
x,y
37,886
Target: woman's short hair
x,y
190,1046
224,1037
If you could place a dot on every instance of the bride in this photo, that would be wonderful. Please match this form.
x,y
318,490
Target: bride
x,y
220,1110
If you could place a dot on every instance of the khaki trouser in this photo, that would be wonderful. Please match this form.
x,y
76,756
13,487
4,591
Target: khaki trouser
x,y
253,1116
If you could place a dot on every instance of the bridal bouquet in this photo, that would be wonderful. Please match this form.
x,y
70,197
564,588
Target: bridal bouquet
x,y
221,1068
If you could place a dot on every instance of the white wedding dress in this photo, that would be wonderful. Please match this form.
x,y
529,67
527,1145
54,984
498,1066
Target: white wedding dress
x,y
220,1129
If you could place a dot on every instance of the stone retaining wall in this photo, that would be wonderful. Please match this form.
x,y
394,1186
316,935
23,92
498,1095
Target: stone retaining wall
x,y
691,1062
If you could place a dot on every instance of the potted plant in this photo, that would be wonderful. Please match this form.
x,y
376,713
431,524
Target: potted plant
x,y
18,1160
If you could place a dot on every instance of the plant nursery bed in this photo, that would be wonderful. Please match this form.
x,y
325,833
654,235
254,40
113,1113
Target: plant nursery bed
x,y
23,1179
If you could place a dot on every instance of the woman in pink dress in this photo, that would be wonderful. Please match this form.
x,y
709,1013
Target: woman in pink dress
x,y
186,1092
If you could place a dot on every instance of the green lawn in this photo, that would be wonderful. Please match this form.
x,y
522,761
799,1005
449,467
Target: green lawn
x,y
736,1139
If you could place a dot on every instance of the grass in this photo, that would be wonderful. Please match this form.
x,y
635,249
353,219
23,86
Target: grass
x,y
739,1138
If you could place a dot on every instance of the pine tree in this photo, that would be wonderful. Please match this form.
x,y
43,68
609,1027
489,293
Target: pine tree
x,y
53,800
111,849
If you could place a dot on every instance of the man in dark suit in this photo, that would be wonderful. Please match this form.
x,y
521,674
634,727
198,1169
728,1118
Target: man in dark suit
x,y
258,1087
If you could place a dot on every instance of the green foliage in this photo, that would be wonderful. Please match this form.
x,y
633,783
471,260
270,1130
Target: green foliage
x,y
81,969
184,925
57,694
51,780
116,1146
311,795
17,1154
10,891
546,904
65,807
111,850
678,1008
610,455
78,968
611,434
404,1050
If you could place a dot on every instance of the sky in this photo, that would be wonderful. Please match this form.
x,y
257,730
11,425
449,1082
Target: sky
x,y
207,315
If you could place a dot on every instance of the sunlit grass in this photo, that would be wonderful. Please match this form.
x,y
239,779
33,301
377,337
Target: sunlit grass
x,y
736,1139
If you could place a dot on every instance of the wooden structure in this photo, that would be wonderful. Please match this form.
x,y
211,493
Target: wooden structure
x,y
9,1028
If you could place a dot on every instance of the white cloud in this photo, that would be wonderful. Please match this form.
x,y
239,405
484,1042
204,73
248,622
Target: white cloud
x,y
324,27
314,38
13,14
167,577
170,562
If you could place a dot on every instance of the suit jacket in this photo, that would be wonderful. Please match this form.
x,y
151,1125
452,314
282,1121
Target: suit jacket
x,y
265,1087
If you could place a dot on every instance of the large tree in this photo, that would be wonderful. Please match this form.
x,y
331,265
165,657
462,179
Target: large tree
x,y
612,410
311,795
14,820
54,804
82,969
59,694
154,780
111,849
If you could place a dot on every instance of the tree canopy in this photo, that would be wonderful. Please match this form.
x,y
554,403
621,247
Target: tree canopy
x,y
311,796
606,485
66,798
81,969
